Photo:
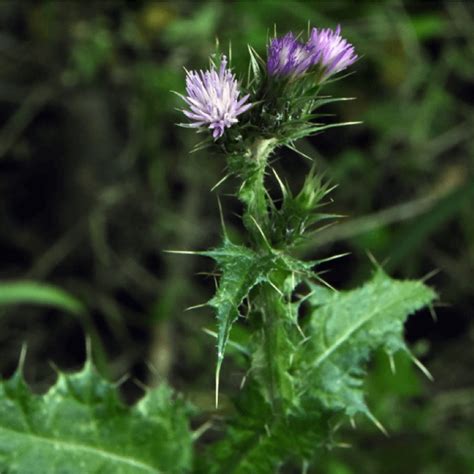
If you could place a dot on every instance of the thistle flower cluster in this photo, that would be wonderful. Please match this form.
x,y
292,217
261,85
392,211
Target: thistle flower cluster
x,y
325,51
214,97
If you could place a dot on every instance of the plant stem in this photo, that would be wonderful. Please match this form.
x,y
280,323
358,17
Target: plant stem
x,y
257,221
271,342
252,192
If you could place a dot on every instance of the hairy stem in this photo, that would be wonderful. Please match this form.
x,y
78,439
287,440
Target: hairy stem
x,y
256,219
252,192
272,327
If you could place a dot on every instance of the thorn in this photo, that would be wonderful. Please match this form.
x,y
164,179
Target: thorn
x,y
324,227
280,182
141,385
261,232
304,155
325,283
244,379
392,363
183,252
275,288
196,434
304,341
88,343
231,343
421,367
121,380
220,182
377,423
343,445
152,368
373,260
22,358
53,365
196,306
218,369
337,426
441,304
334,257
298,327
433,313
430,275
214,274
330,190
209,332
221,215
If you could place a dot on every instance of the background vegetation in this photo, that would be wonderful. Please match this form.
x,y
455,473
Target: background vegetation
x,y
96,181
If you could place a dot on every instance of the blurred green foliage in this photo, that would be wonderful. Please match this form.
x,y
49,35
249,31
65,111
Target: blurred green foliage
x,y
96,182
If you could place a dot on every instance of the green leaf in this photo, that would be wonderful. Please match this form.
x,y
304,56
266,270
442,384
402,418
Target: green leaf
x,y
242,269
80,425
17,292
347,327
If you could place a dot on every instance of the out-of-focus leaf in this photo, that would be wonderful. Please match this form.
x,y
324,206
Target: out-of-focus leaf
x,y
81,426
20,292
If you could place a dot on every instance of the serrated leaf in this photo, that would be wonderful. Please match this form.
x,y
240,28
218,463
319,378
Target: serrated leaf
x,y
346,327
242,269
24,291
80,425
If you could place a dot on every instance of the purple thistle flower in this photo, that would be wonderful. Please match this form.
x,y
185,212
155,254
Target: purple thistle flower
x,y
287,56
330,51
213,99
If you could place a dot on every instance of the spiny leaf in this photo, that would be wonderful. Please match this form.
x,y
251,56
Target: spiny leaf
x,y
80,425
346,327
242,269
24,291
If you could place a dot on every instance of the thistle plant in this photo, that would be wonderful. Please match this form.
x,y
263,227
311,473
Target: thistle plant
x,y
304,371
305,374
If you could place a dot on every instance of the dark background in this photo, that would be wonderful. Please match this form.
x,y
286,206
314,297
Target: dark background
x,y
96,182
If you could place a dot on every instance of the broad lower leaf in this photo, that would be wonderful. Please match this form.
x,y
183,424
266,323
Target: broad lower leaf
x,y
346,327
81,426
17,292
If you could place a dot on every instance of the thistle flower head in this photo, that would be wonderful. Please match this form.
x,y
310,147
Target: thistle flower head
x,y
213,99
287,56
330,51
325,51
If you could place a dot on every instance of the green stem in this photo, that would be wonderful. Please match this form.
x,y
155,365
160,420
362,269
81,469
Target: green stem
x,y
257,221
252,192
271,336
